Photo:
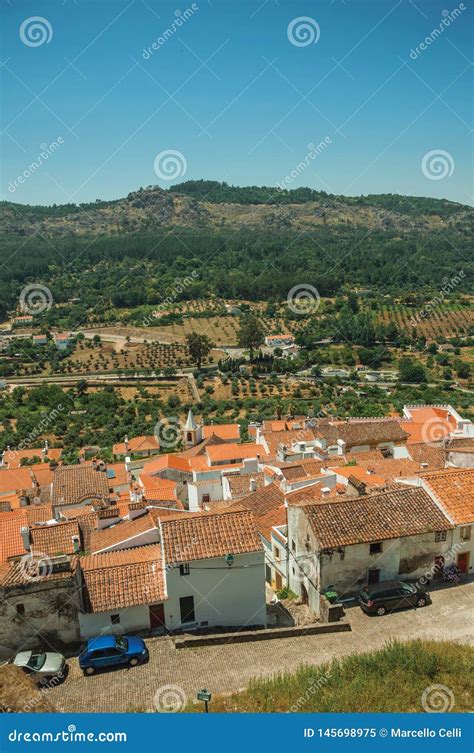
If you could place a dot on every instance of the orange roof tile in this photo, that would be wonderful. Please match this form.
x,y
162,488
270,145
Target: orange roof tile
x,y
121,532
209,535
454,490
127,578
231,451
54,539
144,443
11,542
224,431
392,514
171,460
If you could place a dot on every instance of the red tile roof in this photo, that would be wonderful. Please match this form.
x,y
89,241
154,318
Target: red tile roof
x,y
208,535
125,531
231,451
11,542
73,484
224,431
392,514
454,489
127,578
55,539
144,443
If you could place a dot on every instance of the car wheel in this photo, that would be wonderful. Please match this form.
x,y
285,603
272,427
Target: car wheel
x,y
133,662
421,602
89,670
381,611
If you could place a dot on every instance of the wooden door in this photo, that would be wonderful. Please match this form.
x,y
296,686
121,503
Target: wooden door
x,y
157,616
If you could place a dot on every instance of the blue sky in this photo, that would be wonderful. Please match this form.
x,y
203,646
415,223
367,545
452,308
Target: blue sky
x,y
235,97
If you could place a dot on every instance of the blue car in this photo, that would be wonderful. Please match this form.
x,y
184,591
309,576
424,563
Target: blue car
x,y
112,651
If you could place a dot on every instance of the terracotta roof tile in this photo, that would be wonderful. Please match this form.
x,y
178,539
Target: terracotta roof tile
x,y
126,578
392,514
11,542
73,484
144,443
454,489
208,535
223,431
54,539
121,532
232,451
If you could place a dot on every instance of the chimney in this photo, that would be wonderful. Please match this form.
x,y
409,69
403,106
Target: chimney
x,y
325,491
25,535
253,484
126,445
94,463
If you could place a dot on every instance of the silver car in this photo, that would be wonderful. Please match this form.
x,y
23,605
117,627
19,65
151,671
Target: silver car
x,y
41,666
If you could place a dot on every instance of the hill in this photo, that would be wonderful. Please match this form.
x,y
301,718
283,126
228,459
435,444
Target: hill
x,y
131,251
213,205
402,677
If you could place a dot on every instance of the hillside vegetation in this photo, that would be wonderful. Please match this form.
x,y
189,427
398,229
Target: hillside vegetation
x,y
392,679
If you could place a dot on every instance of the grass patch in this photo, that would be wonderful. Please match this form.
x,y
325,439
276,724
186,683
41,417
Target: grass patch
x,y
391,679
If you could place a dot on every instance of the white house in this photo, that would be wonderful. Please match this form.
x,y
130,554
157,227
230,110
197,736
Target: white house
x,y
452,489
279,341
345,543
205,570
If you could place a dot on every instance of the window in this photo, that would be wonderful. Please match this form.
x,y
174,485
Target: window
x,y
184,569
465,533
206,498
376,547
186,607
115,619
20,609
293,545
441,535
276,553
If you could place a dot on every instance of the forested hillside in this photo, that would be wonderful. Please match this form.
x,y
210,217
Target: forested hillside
x,y
128,252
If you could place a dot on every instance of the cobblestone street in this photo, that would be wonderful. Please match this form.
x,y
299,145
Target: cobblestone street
x,y
230,667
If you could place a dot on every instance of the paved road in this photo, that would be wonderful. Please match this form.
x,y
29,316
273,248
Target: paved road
x,y
231,666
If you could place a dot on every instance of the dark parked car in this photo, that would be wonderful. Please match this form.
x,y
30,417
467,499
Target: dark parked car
x,y
112,651
380,598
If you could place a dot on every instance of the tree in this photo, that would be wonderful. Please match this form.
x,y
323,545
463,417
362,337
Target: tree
x,y
411,371
199,347
251,333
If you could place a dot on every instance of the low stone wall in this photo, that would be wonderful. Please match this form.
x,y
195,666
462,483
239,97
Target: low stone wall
x,y
243,636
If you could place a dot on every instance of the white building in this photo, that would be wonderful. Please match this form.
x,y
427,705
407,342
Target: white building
x,y
345,543
205,570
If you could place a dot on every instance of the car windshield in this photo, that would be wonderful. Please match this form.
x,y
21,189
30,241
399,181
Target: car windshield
x,y
122,643
36,661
